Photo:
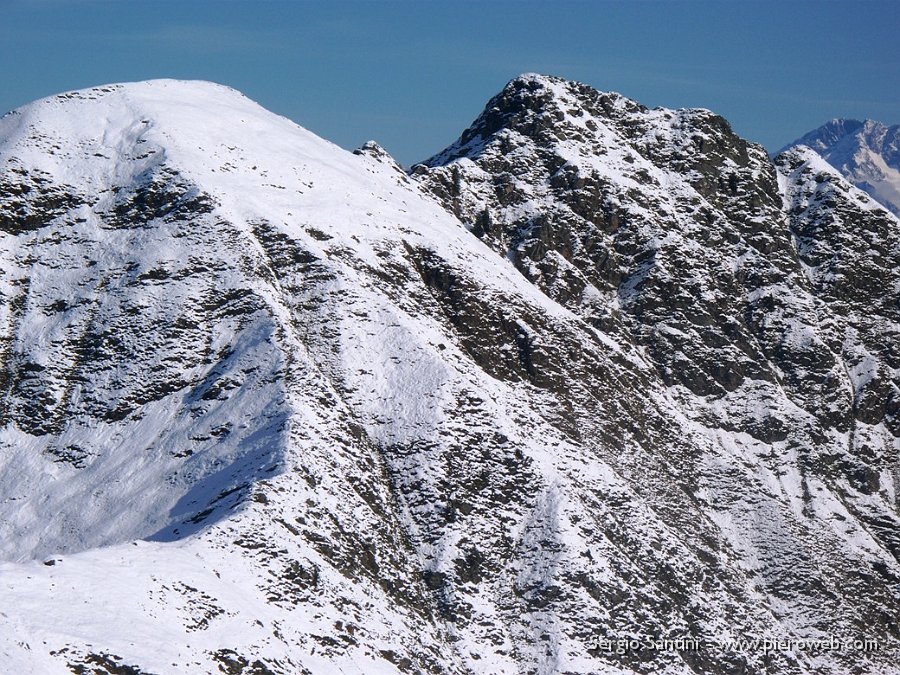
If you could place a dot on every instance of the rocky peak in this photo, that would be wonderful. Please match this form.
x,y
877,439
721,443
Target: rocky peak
x,y
593,196
829,133
550,111
866,153
873,134
542,108
575,183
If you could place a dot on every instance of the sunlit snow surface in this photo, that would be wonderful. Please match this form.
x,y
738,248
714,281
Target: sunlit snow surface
x,y
271,405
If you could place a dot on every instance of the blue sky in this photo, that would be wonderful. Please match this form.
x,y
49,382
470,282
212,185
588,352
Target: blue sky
x,y
413,75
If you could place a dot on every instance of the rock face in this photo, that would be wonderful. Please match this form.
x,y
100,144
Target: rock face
x,y
766,298
866,153
595,372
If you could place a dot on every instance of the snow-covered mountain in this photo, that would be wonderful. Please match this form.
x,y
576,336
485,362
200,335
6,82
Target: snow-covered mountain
x,y
866,153
595,372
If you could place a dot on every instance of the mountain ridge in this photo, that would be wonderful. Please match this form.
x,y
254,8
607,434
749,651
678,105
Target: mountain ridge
x,y
602,375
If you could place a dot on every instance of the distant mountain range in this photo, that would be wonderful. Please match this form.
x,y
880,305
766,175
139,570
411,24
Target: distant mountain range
x,y
866,153
597,389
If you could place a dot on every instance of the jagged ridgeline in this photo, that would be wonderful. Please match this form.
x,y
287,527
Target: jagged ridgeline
x,y
593,373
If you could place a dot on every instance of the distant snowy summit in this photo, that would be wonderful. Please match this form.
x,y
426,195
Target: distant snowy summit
x,y
866,153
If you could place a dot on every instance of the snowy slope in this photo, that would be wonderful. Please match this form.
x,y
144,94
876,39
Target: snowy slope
x,y
866,153
273,407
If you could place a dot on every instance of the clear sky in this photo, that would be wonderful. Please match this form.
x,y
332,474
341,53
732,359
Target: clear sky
x,y
413,75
